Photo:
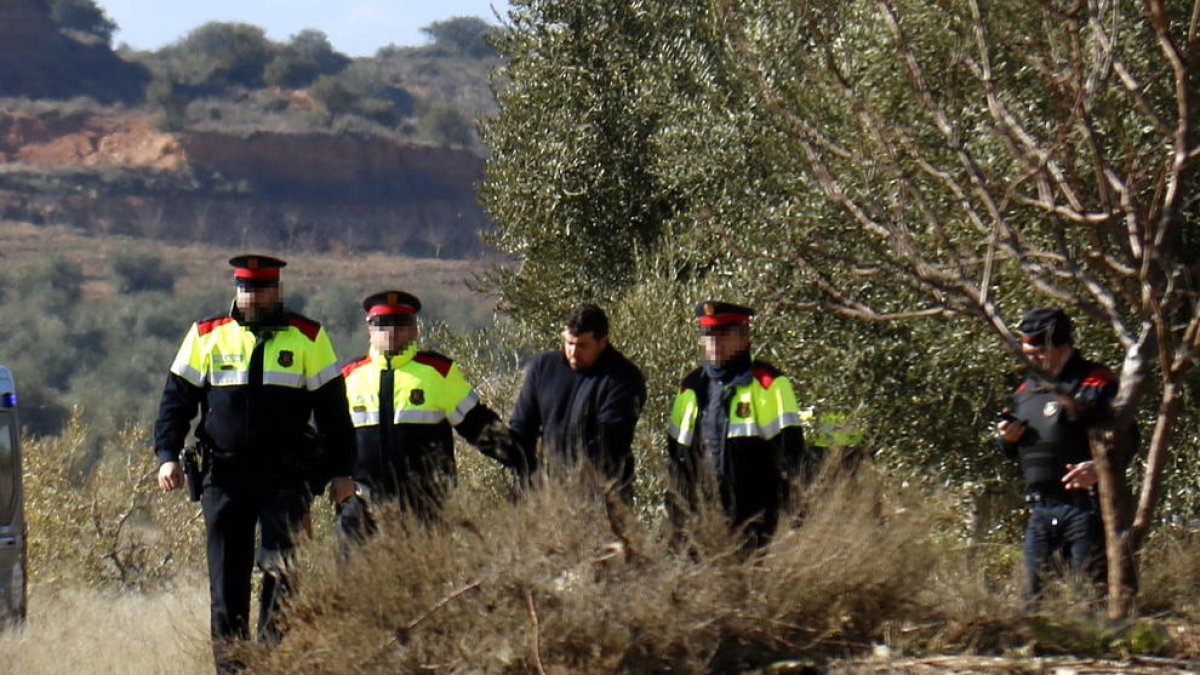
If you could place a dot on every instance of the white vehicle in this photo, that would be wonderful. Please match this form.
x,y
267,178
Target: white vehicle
x,y
12,503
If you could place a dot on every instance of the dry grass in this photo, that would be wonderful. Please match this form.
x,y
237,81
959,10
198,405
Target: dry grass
x,y
543,586
94,631
540,585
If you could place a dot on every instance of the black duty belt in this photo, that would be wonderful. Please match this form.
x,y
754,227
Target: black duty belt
x,y
1076,498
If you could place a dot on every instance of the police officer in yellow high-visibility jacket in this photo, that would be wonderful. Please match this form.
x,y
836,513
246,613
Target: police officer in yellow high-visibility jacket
x,y
735,427
403,403
257,376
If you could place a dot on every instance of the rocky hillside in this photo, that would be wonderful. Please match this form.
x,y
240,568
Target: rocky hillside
x,y
112,169
38,61
116,173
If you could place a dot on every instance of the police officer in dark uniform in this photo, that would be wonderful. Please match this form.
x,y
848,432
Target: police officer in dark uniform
x,y
256,375
403,403
735,428
1047,430
583,401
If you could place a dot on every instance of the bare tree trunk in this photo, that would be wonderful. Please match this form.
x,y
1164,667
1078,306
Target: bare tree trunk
x,y
1115,500
1156,460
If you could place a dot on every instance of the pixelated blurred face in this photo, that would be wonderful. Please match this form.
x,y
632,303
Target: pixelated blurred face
x,y
582,349
1046,356
392,334
722,343
258,301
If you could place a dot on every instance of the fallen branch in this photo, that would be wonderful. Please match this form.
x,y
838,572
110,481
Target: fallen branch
x,y
537,657
474,585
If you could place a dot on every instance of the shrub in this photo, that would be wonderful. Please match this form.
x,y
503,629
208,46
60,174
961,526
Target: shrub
x,y
84,16
139,271
223,53
336,95
446,125
544,584
105,526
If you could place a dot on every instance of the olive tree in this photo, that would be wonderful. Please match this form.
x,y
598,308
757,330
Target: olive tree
x,y
570,179
975,152
927,167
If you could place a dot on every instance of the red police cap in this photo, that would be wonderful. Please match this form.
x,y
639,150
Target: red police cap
x,y
387,303
712,313
256,267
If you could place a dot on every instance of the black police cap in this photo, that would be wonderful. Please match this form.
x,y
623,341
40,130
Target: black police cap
x,y
391,303
1046,322
713,313
256,269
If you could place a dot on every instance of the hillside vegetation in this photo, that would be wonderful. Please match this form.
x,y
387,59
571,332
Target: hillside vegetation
x,y
115,308
231,138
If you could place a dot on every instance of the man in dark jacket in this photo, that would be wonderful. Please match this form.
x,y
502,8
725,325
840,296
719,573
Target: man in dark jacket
x,y
1047,430
583,401
735,427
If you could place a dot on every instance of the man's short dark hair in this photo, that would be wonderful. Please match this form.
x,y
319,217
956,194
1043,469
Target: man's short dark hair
x,y
587,318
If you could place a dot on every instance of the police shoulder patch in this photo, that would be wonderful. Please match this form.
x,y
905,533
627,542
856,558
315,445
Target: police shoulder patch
x,y
765,373
1098,377
309,328
206,326
355,365
434,360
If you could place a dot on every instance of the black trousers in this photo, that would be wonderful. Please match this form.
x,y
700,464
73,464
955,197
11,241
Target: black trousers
x,y
236,502
1072,530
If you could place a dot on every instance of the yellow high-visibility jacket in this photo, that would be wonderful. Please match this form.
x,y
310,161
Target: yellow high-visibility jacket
x,y
403,433
257,390
758,444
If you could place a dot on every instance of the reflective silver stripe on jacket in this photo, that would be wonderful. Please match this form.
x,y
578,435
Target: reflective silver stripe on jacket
x,y
744,430
281,378
787,419
419,416
322,378
193,376
681,436
464,406
229,378
364,418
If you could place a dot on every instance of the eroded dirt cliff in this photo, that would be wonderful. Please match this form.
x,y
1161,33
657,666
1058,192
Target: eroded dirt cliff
x,y
118,173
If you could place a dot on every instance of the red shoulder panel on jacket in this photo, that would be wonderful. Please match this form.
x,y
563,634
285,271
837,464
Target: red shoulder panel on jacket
x,y
765,373
1098,377
305,325
355,365
209,325
436,361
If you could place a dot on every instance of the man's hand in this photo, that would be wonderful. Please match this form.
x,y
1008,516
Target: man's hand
x,y
341,489
1010,431
170,476
1080,476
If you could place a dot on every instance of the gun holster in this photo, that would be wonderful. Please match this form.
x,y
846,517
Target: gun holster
x,y
193,463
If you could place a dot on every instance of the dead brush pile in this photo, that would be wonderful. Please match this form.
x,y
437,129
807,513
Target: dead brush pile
x,y
546,585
